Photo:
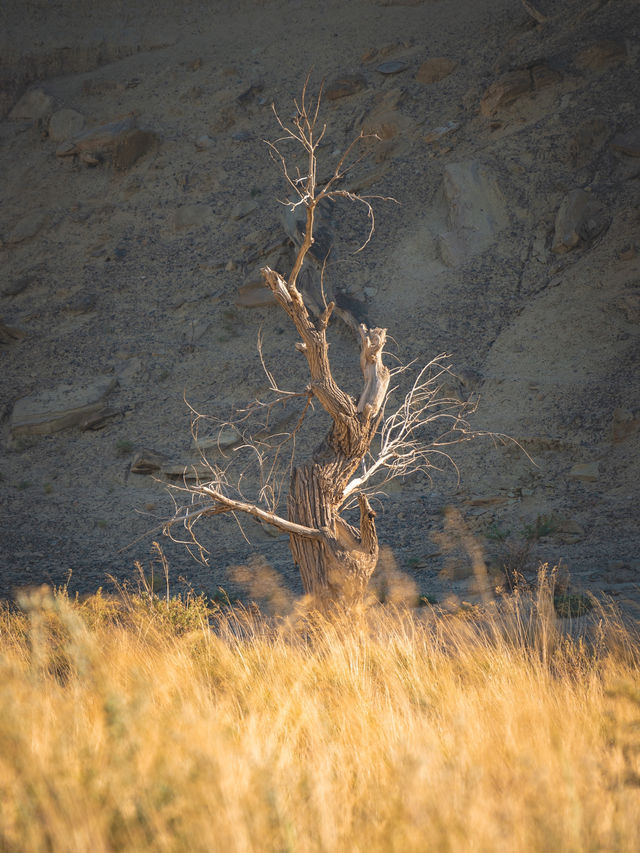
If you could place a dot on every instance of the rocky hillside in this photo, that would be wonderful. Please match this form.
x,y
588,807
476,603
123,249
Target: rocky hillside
x,y
140,201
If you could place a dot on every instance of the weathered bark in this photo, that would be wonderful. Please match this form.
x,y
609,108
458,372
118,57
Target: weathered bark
x,y
338,563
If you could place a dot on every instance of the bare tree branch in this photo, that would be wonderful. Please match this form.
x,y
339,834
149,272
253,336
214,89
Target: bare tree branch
x,y
335,558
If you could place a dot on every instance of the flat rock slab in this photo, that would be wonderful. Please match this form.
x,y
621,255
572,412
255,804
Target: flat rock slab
x,y
513,85
147,461
121,139
197,472
66,405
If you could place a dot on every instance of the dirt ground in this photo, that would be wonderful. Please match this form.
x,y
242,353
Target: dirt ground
x,y
510,138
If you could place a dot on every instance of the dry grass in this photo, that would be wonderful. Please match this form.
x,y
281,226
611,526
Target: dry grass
x,y
141,725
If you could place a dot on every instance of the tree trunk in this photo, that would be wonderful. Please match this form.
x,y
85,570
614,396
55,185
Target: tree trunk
x,y
337,564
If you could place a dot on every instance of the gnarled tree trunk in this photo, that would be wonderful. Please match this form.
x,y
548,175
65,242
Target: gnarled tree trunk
x,y
338,561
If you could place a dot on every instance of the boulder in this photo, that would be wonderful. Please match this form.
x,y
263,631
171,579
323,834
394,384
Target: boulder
x,y
345,86
64,124
130,147
435,68
514,84
66,405
580,218
120,140
476,211
33,105
505,91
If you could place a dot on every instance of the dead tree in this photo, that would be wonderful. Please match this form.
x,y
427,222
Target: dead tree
x,y
336,559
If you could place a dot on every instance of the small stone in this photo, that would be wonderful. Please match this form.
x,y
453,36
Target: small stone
x,y
243,209
628,143
64,124
580,218
505,91
345,86
439,133
392,66
81,303
203,143
435,68
587,472
629,304
242,136
33,105
63,406
250,94
147,461
624,425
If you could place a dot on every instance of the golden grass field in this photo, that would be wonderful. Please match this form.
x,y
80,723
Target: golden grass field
x,y
135,723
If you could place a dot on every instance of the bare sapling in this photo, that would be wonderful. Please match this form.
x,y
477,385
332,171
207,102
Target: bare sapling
x,y
365,446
